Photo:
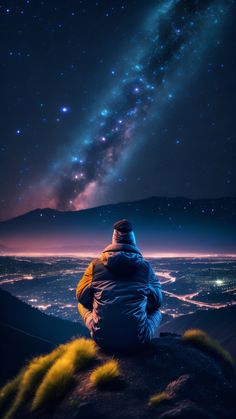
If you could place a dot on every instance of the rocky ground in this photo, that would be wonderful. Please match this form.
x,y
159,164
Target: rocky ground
x,y
199,386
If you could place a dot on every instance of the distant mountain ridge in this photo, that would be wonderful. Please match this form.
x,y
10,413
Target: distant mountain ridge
x,y
161,224
225,204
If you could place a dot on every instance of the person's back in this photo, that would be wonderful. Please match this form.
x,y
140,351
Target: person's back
x,y
119,294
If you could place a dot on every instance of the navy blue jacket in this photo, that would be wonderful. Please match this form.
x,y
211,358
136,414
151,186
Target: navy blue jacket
x,y
121,290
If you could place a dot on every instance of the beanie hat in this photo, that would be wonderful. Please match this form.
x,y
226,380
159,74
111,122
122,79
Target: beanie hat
x,y
123,226
123,233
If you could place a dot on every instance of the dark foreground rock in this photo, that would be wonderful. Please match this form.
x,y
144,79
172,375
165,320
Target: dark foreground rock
x,y
199,385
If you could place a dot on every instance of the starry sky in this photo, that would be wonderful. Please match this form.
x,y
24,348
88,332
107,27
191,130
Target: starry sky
x,y
109,101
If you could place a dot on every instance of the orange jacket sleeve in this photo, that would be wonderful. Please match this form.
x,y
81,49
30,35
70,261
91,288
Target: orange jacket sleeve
x,y
84,291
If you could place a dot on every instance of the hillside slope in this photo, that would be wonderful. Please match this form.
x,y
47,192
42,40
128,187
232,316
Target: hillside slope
x,y
220,324
16,348
20,315
26,332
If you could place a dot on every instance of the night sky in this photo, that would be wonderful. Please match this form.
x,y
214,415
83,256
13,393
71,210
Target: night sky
x,y
108,101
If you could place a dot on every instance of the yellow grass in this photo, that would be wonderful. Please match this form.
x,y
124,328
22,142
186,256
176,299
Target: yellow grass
x,y
58,378
105,374
9,390
158,398
30,378
203,341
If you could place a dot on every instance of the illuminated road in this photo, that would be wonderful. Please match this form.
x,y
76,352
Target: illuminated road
x,y
188,299
188,284
168,278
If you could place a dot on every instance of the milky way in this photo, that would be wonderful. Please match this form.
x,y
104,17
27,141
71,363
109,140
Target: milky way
x,y
162,56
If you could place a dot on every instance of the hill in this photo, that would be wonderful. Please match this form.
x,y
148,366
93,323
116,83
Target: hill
x,y
171,378
16,348
220,324
161,224
20,315
26,332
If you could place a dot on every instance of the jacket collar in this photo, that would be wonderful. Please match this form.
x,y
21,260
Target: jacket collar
x,y
121,247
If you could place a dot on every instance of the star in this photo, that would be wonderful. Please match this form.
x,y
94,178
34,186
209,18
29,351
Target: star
x,y
64,109
118,104
104,112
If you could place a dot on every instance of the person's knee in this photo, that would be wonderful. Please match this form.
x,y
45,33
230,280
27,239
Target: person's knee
x,y
86,315
154,321
82,310
155,317
159,318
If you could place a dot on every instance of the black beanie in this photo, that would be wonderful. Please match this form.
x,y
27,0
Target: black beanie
x,y
123,226
123,233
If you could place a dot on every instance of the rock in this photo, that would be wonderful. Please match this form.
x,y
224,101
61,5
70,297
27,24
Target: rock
x,y
186,410
199,386
192,385
166,334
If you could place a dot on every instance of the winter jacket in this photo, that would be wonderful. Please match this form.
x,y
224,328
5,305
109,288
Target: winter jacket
x,y
121,290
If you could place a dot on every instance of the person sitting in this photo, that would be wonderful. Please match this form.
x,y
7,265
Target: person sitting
x,y
119,294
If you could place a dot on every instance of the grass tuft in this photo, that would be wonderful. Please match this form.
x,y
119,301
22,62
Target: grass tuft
x,y
105,374
158,398
59,377
30,378
203,341
9,390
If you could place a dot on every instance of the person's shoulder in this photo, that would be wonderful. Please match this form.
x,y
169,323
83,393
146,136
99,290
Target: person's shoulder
x,y
92,264
148,264
144,263
96,262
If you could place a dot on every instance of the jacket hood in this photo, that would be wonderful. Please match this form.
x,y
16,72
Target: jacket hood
x,y
122,262
122,247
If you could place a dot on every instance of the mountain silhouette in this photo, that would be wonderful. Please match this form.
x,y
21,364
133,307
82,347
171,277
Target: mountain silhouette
x,y
162,225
